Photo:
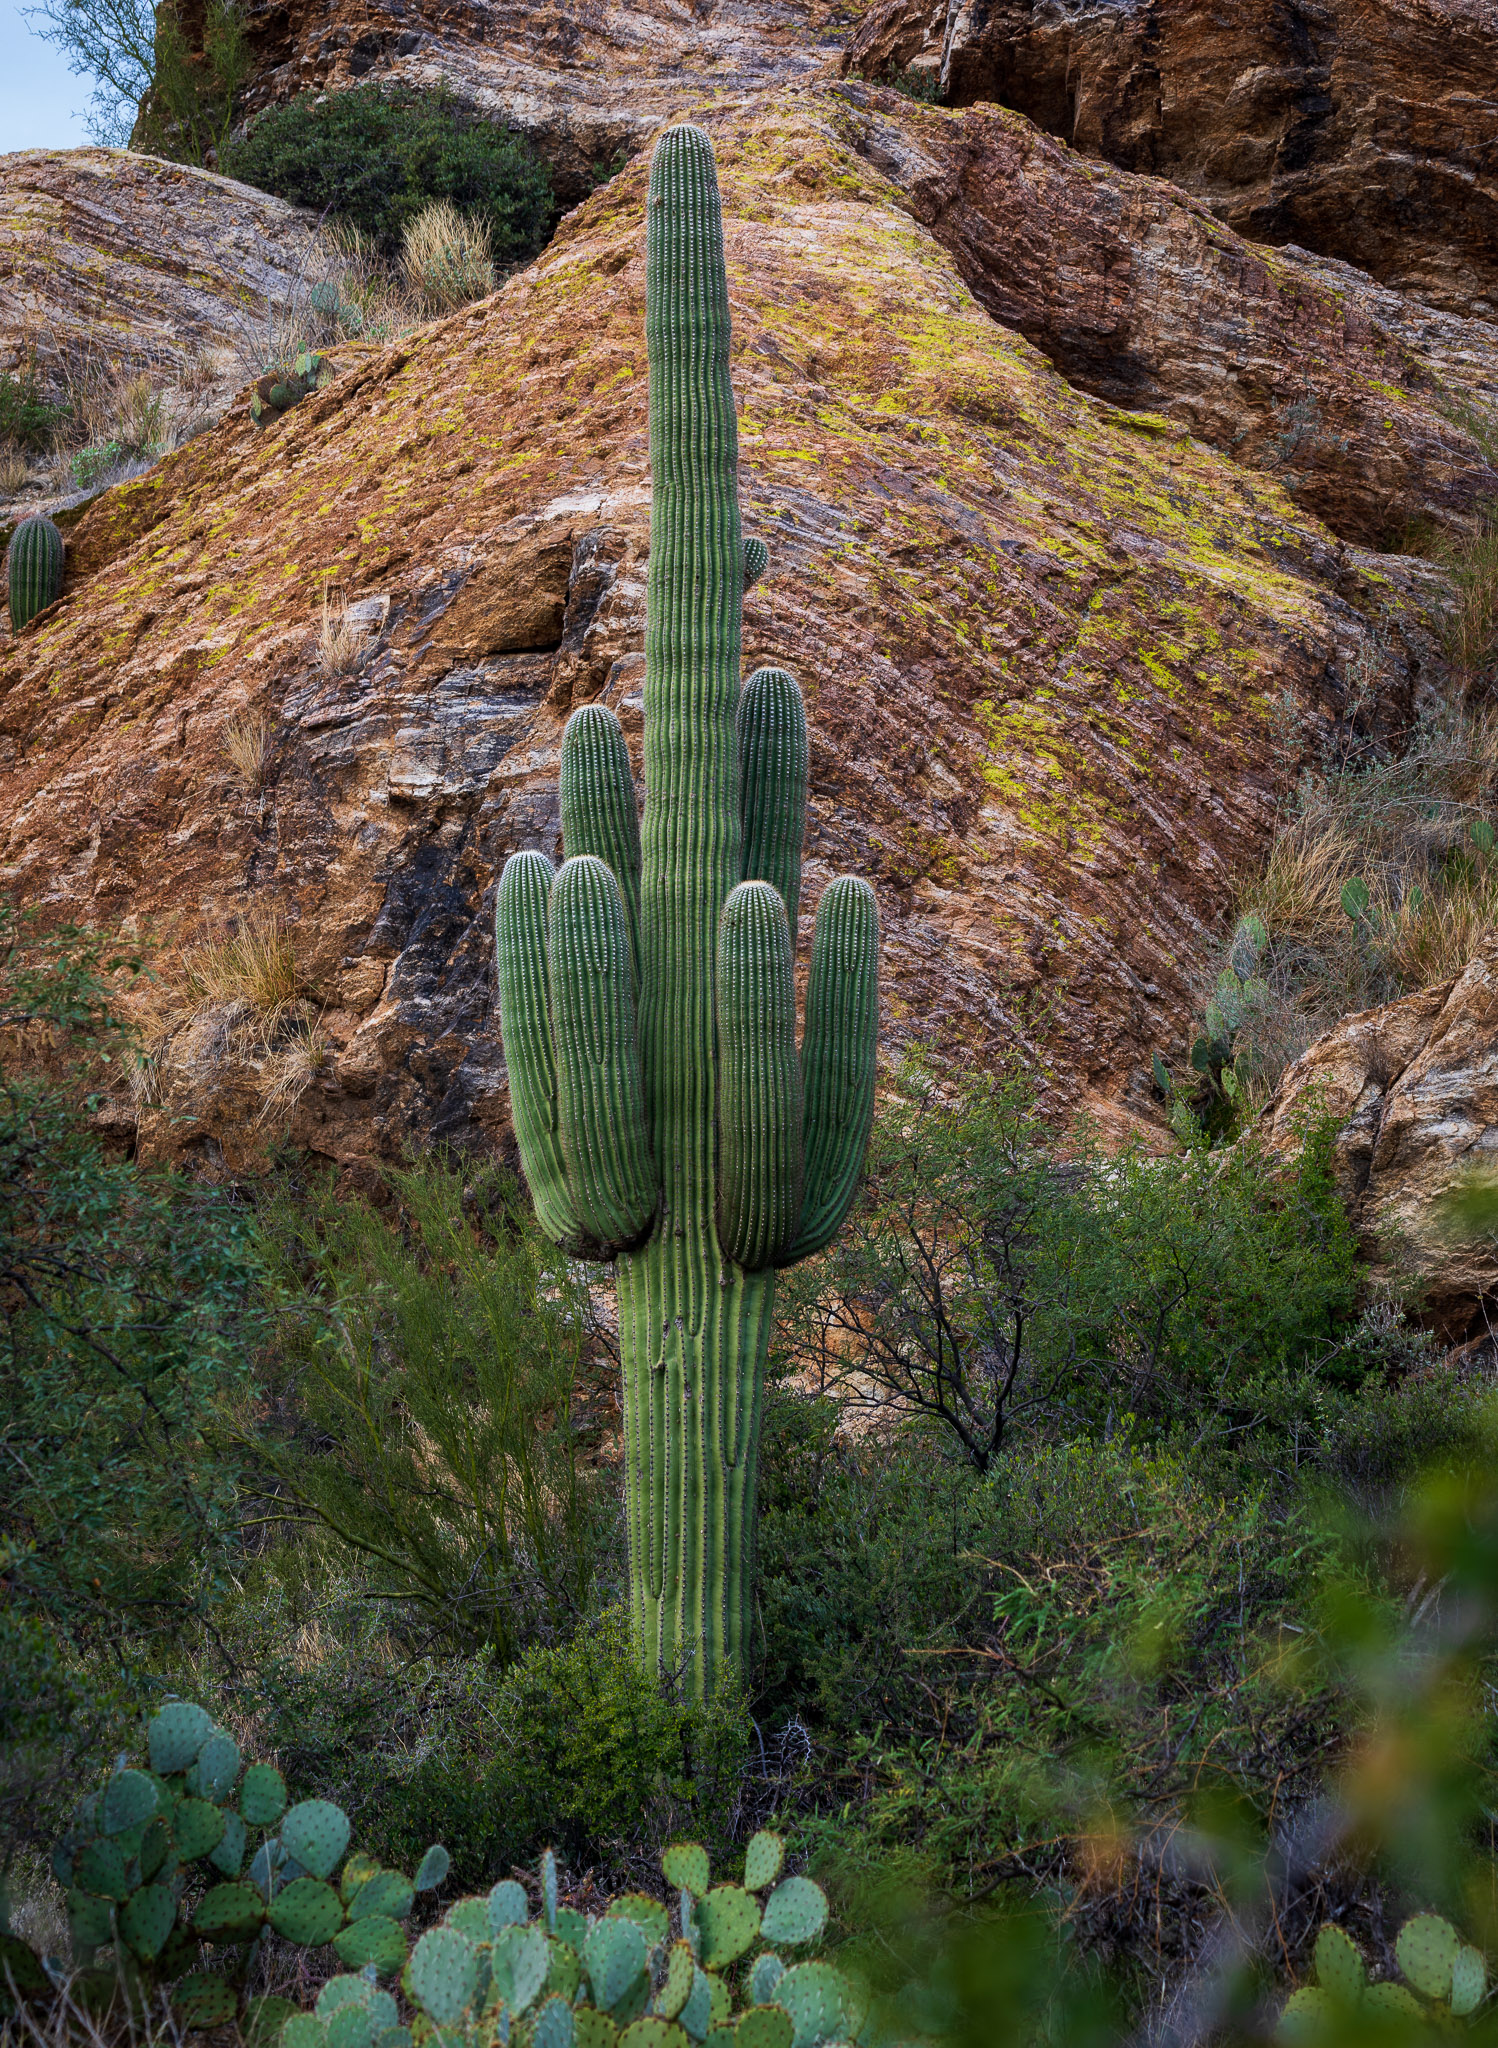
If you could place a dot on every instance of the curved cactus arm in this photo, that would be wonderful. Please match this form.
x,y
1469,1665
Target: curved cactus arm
x,y
838,1057
598,806
774,762
756,559
525,1026
611,1174
759,1079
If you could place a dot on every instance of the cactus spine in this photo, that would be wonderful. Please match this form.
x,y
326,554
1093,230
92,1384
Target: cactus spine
x,y
36,552
647,991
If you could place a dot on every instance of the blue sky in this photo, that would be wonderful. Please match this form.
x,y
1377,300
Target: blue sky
x,y
41,102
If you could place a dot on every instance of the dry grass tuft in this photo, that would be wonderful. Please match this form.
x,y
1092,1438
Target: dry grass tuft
x,y
67,2023
447,258
1419,832
342,641
14,469
256,967
1471,626
250,746
292,1067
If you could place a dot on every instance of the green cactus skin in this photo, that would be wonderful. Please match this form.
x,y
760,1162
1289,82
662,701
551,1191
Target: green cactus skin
x,y
600,1107
598,806
774,764
525,1008
36,556
759,1079
682,1131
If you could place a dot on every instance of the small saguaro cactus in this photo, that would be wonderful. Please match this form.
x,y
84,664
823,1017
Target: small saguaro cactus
x,y
665,1115
36,552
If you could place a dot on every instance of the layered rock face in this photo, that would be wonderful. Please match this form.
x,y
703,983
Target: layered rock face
x,y
135,262
587,83
1368,407
1414,1086
1361,129
1062,664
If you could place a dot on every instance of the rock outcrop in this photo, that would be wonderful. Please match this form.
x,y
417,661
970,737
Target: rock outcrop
x,y
1365,130
136,263
1414,1086
1368,407
1062,665
587,84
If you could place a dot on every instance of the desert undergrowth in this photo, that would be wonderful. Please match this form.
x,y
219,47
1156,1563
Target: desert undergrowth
x,y
1082,1586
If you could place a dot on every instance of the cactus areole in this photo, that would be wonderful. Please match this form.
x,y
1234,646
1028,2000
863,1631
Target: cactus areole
x,y
666,1117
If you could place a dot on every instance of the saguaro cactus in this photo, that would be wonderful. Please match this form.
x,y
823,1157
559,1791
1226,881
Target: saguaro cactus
x,y
647,992
36,552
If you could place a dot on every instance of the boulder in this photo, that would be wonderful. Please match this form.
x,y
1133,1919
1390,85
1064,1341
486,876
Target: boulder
x,y
587,84
1414,1088
1368,406
137,264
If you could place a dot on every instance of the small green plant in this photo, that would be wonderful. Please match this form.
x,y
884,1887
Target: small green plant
x,y
1214,1107
26,417
197,1852
327,299
1445,1981
92,464
916,82
34,570
280,389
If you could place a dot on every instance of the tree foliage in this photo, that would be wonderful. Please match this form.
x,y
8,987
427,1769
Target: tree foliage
x,y
430,1352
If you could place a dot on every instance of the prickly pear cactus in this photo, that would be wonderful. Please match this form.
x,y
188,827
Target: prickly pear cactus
x,y
666,1116
193,1852
1445,1982
279,389
489,1974
35,570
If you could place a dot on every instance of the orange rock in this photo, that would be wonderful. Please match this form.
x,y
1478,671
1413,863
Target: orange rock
x,y
1414,1087
1362,129
1061,671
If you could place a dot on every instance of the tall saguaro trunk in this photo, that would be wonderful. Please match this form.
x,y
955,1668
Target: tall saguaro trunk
x,y
665,1115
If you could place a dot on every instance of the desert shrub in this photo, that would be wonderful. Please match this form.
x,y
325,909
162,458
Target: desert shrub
x,y
986,1283
1381,879
126,1314
430,1351
375,156
27,417
572,1745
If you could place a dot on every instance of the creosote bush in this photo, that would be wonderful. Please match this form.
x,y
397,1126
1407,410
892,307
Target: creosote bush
x,y
431,1349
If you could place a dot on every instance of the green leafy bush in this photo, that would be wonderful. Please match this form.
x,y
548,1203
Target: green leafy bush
x,y
987,1284
571,1746
374,156
430,1351
127,1300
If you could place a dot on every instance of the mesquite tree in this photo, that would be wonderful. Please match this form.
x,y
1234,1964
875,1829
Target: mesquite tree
x,y
647,992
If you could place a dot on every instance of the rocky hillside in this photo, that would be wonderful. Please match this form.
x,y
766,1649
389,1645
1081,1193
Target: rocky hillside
x,y
1085,517
149,265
